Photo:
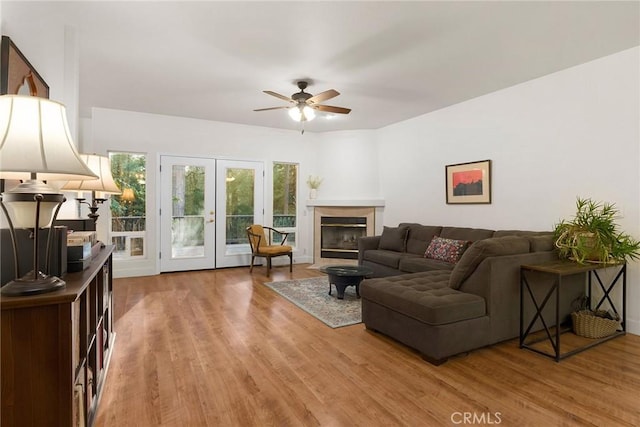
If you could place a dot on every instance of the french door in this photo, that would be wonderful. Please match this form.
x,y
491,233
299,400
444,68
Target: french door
x,y
206,205
187,213
240,203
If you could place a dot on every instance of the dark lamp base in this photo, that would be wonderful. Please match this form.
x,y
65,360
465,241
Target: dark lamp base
x,y
30,286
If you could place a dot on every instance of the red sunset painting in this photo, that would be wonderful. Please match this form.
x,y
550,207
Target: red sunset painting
x,y
467,183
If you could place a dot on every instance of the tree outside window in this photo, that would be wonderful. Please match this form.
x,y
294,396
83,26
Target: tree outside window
x,y
240,204
128,210
285,191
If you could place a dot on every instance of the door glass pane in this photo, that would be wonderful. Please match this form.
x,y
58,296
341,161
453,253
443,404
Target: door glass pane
x,y
187,223
291,238
240,208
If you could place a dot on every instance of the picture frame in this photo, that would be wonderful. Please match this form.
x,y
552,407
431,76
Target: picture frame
x,y
19,77
468,183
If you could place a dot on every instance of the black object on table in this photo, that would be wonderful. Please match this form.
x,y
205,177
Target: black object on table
x,y
345,275
557,270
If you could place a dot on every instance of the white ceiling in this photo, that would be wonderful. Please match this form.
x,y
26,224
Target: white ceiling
x,y
389,60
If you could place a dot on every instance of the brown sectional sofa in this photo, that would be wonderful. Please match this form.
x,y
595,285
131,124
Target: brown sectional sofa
x,y
401,249
442,309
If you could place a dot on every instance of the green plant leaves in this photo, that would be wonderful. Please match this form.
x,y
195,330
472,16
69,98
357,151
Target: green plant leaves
x,y
593,235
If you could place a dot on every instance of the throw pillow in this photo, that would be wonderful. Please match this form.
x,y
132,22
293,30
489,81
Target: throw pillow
x,y
393,238
448,250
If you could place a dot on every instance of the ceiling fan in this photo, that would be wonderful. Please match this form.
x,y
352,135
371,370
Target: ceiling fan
x,y
305,103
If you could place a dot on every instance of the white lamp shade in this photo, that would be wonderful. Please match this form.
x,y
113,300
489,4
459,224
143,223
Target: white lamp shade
x,y
302,114
101,166
23,213
35,138
21,204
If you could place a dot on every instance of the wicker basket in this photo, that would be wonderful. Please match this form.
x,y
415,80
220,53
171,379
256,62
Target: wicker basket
x,y
587,324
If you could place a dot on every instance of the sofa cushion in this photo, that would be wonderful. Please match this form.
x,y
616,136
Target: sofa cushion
x,y
478,251
447,250
388,258
393,238
523,233
415,264
542,243
424,297
419,237
461,233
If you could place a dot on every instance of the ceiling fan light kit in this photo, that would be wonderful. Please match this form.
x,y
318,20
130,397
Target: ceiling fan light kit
x,y
302,113
306,104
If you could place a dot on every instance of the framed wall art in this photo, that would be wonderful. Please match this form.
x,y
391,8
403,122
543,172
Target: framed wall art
x,y
468,183
18,75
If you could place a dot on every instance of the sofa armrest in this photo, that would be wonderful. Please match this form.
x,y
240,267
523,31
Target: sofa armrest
x,y
497,280
365,244
498,277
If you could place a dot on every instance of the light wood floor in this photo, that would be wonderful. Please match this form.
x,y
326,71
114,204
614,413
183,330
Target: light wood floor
x,y
217,348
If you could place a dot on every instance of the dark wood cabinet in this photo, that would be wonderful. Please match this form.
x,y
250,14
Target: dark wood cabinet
x,y
55,350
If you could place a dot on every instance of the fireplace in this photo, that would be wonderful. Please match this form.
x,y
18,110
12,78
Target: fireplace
x,y
339,236
337,230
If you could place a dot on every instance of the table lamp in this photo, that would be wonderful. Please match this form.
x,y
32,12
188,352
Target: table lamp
x,y
35,146
101,166
128,196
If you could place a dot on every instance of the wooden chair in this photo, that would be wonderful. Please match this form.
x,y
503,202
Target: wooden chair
x,y
263,247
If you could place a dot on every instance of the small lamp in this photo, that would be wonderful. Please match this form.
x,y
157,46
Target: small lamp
x,y
101,166
127,195
35,144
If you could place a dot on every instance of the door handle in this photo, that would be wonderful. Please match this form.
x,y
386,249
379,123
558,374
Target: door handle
x,y
211,220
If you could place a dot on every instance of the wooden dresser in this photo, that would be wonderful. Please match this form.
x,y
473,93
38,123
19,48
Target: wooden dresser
x,y
55,350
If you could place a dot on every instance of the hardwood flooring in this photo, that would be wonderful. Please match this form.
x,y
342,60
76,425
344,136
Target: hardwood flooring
x,y
217,348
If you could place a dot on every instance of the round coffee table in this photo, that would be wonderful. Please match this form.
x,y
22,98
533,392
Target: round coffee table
x,y
345,275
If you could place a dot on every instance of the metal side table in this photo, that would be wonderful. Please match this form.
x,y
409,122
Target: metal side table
x,y
556,270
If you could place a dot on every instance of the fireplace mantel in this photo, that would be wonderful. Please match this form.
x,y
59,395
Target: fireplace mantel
x,y
374,203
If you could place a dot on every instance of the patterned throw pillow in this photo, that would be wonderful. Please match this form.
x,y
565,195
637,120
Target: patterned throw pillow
x,y
447,250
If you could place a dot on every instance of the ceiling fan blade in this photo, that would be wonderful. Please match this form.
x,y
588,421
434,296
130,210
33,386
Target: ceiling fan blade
x,y
277,95
331,109
323,96
272,108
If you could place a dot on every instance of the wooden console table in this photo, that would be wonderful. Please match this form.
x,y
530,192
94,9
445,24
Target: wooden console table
x,y
556,270
56,349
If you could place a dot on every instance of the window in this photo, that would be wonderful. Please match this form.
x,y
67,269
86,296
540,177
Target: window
x,y
285,190
128,210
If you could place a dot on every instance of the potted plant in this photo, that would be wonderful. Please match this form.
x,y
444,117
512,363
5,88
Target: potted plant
x,y
314,183
592,235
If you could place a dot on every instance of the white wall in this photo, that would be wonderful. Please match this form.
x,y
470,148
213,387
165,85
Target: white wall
x,y
50,48
348,163
155,135
572,133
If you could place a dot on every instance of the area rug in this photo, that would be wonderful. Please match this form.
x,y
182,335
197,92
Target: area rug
x,y
312,295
